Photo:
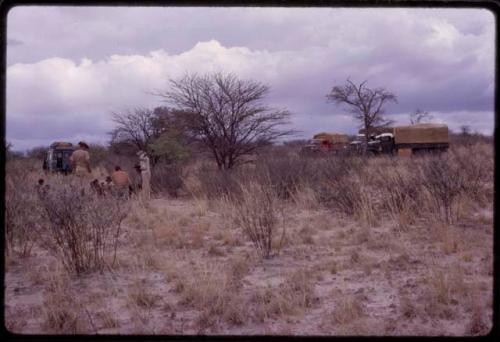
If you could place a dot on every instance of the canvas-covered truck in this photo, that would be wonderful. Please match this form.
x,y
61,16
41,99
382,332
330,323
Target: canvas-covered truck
x,y
327,142
57,157
406,140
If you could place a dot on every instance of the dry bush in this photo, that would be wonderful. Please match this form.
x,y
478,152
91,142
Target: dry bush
x,y
256,212
166,229
22,214
82,229
476,163
198,234
292,296
107,319
285,173
215,183
100,155
367,211
215,251
442,287
270,303
448,238
366,188
61,311
214,292
445,289
338,167
305,198
347,310
444,180
337,184
140,296
167,179
399,187
343,195
169,235
298,289
109,160
239,268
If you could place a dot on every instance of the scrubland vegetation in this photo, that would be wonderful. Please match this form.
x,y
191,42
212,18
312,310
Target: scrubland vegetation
x,y
283,244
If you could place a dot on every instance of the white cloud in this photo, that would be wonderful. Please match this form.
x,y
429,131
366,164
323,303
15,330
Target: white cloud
x,y
440,61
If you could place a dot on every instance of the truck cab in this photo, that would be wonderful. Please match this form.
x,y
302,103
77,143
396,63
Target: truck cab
x,y
382,143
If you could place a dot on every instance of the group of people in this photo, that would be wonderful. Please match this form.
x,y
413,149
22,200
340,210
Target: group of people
x,y
118,183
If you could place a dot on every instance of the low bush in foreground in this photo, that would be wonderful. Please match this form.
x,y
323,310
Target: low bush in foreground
x,y
81,229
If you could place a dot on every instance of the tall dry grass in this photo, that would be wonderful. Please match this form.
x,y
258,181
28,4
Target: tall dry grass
x,y
63,216
424,188
258,213
22,211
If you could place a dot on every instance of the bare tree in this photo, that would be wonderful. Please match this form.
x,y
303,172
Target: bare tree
x,y
226,114
465,130
146,129
419,116
134,127
366,104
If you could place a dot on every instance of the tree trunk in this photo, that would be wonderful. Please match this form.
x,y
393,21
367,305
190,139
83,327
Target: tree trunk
x,y
367,136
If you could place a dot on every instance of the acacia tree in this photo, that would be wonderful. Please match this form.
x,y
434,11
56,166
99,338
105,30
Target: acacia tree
x,y
134,127
226,114
419,116
365,104
152,130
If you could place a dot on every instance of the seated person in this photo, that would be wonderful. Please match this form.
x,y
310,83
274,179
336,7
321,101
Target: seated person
x,y
121,181
96,187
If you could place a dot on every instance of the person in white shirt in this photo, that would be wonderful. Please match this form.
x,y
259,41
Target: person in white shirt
x,y
145,175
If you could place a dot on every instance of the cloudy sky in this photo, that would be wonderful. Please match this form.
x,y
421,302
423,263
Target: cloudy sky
x,y
68,68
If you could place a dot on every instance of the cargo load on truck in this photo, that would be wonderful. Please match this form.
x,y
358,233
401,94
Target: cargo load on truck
x,y
427,133
335,138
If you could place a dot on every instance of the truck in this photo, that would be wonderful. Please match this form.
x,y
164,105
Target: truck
x,y
326,143
407,140
57,157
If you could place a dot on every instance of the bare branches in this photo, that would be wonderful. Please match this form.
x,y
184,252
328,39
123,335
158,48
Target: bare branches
x,y
226,114
133,126
419,116
364,103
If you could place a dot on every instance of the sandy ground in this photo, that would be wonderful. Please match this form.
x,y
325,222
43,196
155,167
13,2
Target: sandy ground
x,y
355,280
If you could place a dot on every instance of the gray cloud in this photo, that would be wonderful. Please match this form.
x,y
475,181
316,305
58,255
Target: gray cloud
x,y
14,42
67,81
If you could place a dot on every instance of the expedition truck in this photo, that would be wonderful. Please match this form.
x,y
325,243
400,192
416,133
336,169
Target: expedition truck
x,y
327,142
406,140
57,157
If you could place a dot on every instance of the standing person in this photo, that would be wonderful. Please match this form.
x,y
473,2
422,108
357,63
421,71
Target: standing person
x,y
80,160
121,182
137,181
145,175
